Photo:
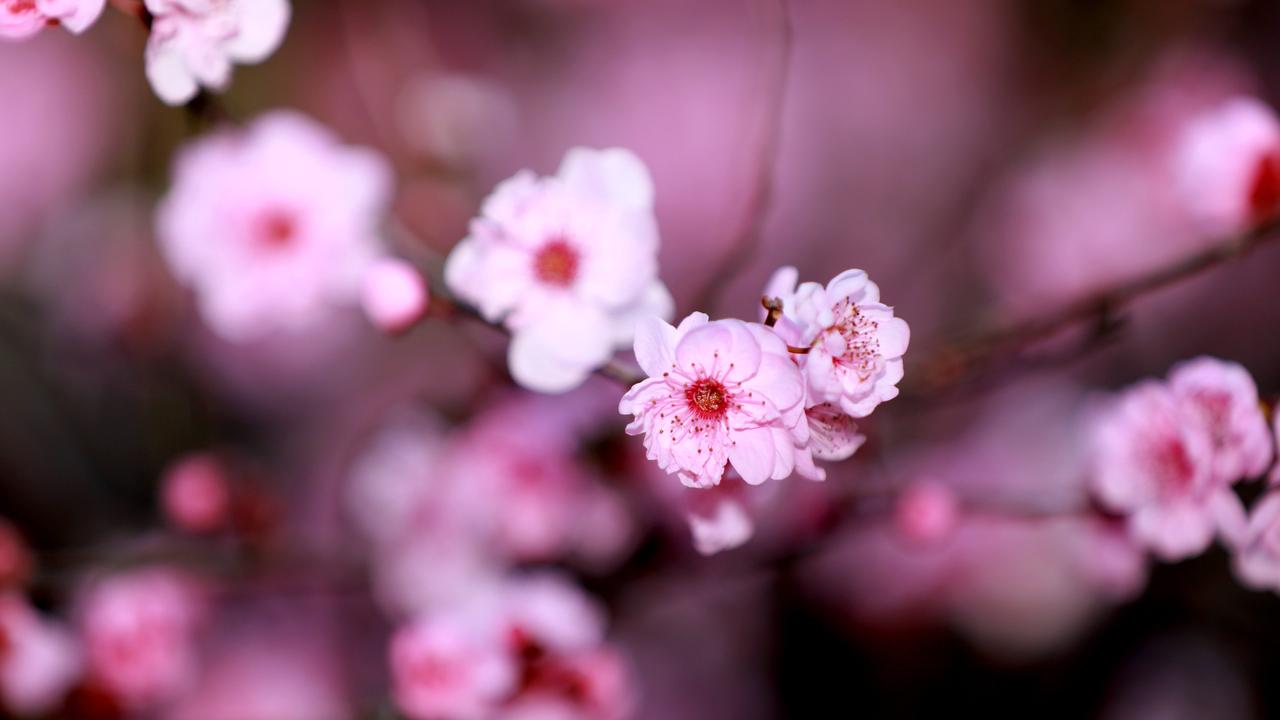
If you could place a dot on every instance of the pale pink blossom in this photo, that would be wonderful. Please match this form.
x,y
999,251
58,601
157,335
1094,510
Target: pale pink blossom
x,y
568,263
1223,396
855,344
20,19
139,630
275,225
39,659
548,609
718,522
1228,165
1154,463
1256,553
194,43
718,392
451,665
833,435
394,296
196,495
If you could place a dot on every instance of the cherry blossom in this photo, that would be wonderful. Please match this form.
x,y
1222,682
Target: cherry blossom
x,y
855,344
568,263
139,631
273,226
718,392
1256,557
20,19
1228,165
1224,398
193,43
394,296
451,666
196,496
1154,462
40,659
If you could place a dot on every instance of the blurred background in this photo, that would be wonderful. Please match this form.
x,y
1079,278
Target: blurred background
x,y
983,160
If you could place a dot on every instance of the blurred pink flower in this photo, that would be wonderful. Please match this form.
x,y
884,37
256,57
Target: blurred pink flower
x,y
717,392
273,225
927,512
548,609
195,493
394,295
20,19
856,344
594,685
193,43
451,666
1223,396
39,659
568,263
718,521
1256,555
1154,462
139,630
1227,165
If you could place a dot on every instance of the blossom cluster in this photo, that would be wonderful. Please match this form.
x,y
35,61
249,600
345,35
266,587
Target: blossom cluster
x,y
1168,455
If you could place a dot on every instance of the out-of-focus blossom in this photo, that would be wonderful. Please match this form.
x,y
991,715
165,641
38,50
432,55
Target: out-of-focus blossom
x,y
718,522
594,685
394,296
855,343
717,392
15,557
568,263
1154,462
266,674
1256,555
139,629
927,512
1228,165
196,495
451,666
20,19
548,609
193,43
1225,399
39,659
274,225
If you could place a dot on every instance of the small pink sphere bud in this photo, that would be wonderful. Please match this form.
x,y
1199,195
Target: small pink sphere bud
x,y
196,496
926,512
395,295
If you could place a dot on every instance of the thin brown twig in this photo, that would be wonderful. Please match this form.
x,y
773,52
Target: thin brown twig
x,y
968,358
746,239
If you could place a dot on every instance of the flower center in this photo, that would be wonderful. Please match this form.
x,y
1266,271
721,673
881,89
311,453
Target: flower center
x,y
17,7
1264,195
276,230
1173,466
707,398
862,347
556,263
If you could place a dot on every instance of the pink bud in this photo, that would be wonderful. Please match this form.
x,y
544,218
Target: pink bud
x,y
395,295
196,497
926,512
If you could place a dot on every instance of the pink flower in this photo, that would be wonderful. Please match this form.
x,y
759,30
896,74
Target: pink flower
x,y
273,226
833,435
39,659
568,263
193,43
855,343
139,629
195,493
549,610
394,296
1154,462
1256,555
1224,398
1228,165
718,521
451,666
20,19
927,512
594,685
717,392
